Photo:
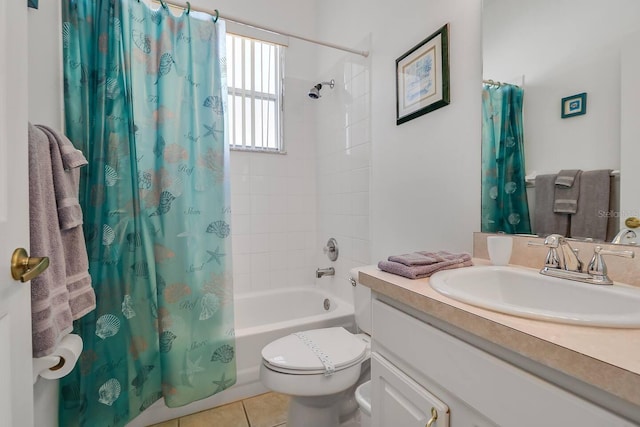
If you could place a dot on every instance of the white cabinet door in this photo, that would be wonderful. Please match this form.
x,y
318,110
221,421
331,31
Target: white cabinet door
x,y
16,390
399,401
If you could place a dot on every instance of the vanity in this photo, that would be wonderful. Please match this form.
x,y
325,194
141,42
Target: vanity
x,y
439,362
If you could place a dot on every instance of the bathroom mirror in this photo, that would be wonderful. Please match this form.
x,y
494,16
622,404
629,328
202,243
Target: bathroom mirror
x,y
556,49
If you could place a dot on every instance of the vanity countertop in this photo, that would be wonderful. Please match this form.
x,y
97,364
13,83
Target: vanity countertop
x,y
608,359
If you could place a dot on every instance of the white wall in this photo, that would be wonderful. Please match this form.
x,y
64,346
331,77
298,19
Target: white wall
x,y
630,129
425,174
45,64
562,48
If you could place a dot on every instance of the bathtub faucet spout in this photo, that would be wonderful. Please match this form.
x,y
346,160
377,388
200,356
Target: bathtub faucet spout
x,y
325,272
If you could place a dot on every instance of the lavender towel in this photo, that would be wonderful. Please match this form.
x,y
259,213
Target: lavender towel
x,y
424,257
421,271
63,292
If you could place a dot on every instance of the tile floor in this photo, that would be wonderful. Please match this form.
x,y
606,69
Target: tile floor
x,y
265,410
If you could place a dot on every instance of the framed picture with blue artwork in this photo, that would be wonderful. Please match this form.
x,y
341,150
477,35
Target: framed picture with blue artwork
x,y
575,105
422,77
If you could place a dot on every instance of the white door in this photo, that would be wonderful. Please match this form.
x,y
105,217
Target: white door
x,y
16,390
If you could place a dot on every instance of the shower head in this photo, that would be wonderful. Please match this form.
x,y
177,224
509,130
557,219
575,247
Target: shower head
x,y
314,93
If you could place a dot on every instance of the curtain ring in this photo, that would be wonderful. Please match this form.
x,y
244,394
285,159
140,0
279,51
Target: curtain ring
x,y
215,20
188,8
163,4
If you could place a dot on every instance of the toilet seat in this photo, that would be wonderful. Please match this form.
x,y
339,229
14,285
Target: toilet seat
x,y
295,355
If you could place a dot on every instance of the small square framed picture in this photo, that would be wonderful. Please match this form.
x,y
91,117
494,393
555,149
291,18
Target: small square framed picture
x,y
575,105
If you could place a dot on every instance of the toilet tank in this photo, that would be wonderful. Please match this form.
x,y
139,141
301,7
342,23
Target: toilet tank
x,y
361,304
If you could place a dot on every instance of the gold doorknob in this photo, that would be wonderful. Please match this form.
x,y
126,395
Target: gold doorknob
x,y
632,222
24,268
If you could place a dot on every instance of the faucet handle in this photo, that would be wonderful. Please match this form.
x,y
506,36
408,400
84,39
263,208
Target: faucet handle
x,y
597,266
553,259
553,240
331,250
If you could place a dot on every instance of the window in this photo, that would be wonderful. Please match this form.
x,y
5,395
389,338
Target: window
x,y
255,74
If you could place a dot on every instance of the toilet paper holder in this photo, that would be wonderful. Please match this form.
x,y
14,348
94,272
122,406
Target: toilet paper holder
x,y
62,360
51,363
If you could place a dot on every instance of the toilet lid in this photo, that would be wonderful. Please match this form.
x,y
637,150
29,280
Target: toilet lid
x,y
303,352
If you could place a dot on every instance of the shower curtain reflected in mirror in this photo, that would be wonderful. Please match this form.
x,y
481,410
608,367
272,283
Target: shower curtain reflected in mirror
x,y
504,197
145,93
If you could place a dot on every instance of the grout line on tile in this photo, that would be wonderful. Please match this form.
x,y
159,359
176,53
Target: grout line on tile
x,y
246,415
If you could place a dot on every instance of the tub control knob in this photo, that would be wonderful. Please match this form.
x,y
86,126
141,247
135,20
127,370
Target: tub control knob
x,y
331,250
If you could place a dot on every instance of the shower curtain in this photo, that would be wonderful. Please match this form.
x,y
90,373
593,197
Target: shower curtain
x,y
145,97
504,195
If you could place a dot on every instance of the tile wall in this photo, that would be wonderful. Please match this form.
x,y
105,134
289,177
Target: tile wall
x,y
344,169
286,207
273,204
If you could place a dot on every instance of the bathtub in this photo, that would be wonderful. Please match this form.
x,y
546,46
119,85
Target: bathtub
x,y
261,317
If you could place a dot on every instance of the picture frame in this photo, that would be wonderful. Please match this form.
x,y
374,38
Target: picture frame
x,y
422,77
575,105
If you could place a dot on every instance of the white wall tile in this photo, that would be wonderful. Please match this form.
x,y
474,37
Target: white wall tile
x,y
259,184
259,264
360,203
241,282
259,204
277,242
240,163
359,180
299,240
240,224
240,184
241,264
240,204
241,244
278,204
259,243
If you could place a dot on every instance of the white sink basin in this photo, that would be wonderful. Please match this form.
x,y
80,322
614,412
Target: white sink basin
x,y
527,293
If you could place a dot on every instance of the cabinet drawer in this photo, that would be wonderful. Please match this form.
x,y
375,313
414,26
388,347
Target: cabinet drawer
x,y
400,401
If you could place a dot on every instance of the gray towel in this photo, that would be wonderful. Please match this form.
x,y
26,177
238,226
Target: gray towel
x,y
567,191
63,292
422,271
593,205
65,161
546,220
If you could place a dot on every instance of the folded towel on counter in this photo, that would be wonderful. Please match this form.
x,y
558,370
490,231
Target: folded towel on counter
x,y
421,271
593,205
424,257
567,191
546,221
63,292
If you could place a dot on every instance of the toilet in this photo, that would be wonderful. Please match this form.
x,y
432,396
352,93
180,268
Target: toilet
x,y
321,368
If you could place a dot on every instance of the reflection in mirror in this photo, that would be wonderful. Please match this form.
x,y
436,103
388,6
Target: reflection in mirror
x,y
550,50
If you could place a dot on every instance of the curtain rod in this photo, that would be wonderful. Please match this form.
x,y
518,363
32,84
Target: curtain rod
x,y
495,83
215,12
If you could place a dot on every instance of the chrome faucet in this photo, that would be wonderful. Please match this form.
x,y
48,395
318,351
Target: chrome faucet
x,y
325,272
563,261
624,234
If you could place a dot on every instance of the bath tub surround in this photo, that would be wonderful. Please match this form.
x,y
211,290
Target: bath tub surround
x,y
260,318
